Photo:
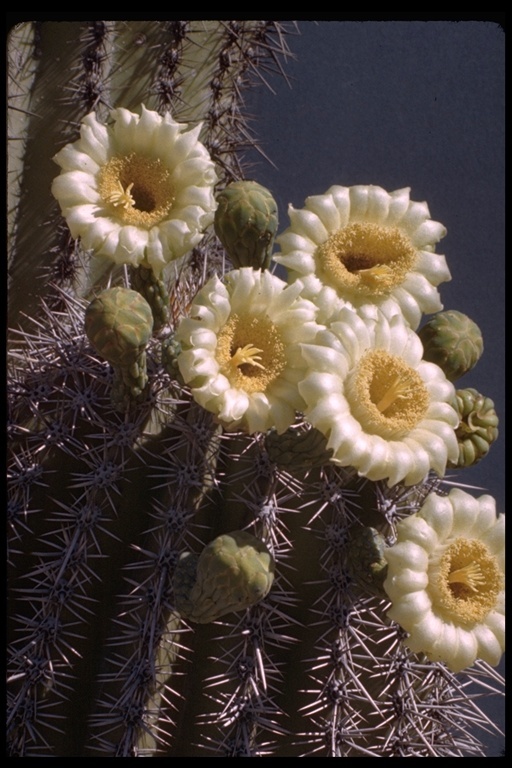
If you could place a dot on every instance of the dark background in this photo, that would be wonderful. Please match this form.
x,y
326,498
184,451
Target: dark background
x,y
407,104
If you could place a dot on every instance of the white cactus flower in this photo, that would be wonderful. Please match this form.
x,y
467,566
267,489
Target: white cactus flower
x,y
240,349
446,580
384,410
139,191
363,246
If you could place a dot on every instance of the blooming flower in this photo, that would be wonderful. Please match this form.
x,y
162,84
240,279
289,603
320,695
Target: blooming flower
x,y
446,580
240,349
139,191
384,410
364,246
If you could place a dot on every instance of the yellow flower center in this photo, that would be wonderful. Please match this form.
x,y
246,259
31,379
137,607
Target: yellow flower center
x,y
466,580
138,188
386,395
250,352
365,259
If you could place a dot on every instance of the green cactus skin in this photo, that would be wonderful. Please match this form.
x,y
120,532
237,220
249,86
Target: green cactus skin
x,y
453,341
246,223
183,581
299,448
478,428
103,503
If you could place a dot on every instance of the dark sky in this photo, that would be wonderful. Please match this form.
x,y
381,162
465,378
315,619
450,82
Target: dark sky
x,y
407,104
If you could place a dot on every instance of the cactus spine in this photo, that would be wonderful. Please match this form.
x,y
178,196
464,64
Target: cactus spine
x,y
103,501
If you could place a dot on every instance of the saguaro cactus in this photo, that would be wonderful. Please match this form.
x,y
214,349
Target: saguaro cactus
x,y
227,528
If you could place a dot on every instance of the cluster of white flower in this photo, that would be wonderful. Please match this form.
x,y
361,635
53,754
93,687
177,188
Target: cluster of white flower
x,y
336,342
257,349
339,344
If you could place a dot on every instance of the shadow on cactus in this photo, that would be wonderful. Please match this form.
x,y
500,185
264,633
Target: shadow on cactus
x,y
228,532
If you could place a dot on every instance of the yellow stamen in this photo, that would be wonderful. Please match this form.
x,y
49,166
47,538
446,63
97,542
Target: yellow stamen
x,y
122,196
470,575
139,188
247,355
399,389
365,259
465,581
375,277
386,395
250,352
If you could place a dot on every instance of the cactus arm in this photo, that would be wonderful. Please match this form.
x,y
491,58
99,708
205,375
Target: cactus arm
x,y
61,91
22,71
133,688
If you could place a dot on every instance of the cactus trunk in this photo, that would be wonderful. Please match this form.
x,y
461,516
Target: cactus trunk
x,y
115,471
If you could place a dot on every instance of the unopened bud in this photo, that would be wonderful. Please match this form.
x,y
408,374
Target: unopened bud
x,y
452,341
478,427
233,572
246,223
118,323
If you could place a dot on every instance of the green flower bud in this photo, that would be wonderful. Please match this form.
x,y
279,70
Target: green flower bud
x,y
366,559
246,223
453,341
478,427
298,448
118,323
234,571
